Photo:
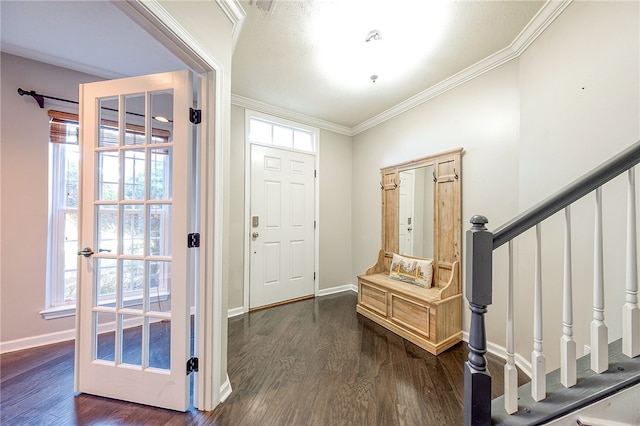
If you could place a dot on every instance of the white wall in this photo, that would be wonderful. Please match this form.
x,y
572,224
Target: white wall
x,y
25,167
528,128
580,105
482,116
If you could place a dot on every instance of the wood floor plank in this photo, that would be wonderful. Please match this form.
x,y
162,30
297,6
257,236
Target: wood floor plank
x,y
312,362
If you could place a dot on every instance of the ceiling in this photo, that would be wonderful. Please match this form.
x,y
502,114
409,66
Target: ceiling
x,y
309,57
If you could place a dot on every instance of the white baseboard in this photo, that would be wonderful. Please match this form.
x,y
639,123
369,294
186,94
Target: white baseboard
x,y
225,390
500,351
234,312
338,289
35,341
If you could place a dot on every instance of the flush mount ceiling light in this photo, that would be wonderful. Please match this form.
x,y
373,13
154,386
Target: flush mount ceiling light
x,y
339,29
373,35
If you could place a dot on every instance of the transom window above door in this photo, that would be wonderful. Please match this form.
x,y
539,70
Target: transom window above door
x,y
267,130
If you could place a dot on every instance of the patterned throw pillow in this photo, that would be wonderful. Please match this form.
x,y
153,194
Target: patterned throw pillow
x,y
412,270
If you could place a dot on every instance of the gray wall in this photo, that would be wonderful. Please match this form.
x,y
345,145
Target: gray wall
x,y
24,179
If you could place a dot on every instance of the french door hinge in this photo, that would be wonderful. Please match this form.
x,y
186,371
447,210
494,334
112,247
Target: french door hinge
x,y
315,173
314,276
195,115
193,240
192,365
314,224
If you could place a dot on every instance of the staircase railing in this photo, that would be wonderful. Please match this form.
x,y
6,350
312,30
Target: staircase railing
x,y
479,263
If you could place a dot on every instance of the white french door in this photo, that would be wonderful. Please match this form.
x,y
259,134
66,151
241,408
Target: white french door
x,y
133,326
282,225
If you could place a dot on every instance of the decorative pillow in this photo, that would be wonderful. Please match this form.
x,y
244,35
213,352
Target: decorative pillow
x,y
412,270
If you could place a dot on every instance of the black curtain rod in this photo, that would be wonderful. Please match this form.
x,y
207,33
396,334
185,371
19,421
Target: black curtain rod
x,y
40,100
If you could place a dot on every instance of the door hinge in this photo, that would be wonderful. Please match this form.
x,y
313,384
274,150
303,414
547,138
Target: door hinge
x,y
314,224
193,240
315,173
195,115
192,365
314,276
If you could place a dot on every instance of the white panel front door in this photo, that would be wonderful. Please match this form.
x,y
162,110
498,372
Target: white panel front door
x,y
282,225
406,216
133,328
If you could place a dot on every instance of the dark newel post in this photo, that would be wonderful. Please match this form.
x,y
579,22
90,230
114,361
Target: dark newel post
x,y
477,380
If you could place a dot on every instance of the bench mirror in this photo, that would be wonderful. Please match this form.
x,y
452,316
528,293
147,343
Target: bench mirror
x,y
415,211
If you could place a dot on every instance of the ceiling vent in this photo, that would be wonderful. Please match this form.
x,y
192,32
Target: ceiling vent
x,y
266,6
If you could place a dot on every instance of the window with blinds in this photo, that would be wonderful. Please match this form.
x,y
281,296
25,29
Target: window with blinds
x,y
63,211
64,154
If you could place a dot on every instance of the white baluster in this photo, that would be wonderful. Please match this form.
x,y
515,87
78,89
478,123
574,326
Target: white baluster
x,y
599,331
568,375
538,363
631,311
510,371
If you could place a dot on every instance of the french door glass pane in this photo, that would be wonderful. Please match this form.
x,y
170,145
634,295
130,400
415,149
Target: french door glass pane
x,y
159,230
160,185
133,229
159,286
162,114
107,221
106,281
134,119
132,277
134,174
108,175
160,344
131,339
108,130
105,336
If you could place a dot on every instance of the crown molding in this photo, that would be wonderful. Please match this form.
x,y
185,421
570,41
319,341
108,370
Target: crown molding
x,y
232,9
55,60
289,115
545,16
236,15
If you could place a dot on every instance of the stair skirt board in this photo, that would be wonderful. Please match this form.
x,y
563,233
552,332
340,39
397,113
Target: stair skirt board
x,y
623,372
622,408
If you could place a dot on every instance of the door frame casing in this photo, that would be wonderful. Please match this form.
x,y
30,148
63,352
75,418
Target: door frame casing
x,y
247,200
211,387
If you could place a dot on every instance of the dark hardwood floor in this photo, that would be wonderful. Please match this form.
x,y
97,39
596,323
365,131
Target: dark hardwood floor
x,y
313,362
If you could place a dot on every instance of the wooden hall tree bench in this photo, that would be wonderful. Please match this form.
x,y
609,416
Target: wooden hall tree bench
x,y
421,209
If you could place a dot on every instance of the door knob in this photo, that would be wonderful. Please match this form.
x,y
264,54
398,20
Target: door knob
x,y
86,252
255,235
